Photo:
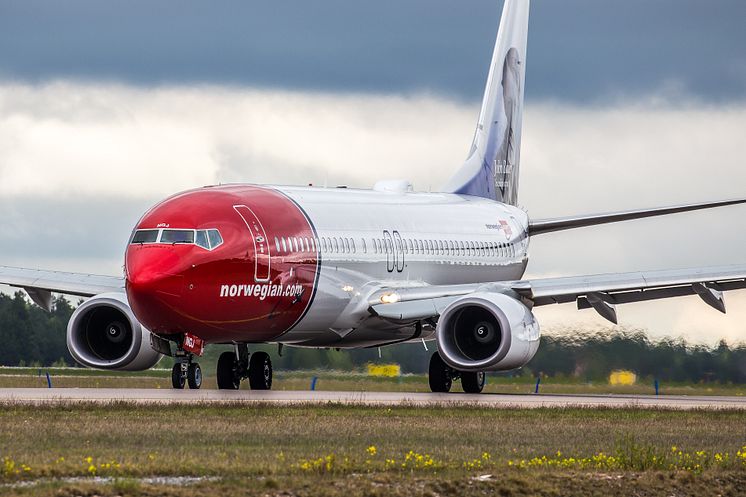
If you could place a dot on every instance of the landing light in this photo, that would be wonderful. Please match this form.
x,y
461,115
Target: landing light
x,y
347,288
390,298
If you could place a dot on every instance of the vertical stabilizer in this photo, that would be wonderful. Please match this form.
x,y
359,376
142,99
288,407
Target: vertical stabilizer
x,y
491,169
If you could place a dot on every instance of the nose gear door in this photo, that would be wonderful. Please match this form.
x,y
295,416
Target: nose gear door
x,y
262,256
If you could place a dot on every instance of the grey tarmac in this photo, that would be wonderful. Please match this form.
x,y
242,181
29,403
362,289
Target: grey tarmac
x,y
170,396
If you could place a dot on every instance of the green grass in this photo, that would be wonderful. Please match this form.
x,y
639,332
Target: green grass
x,y
344,381
327,450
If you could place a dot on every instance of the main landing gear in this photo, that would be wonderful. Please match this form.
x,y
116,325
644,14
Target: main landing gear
x,y
185,371
441,376
236,366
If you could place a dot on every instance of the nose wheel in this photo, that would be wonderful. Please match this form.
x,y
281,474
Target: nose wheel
x,y
236,366
185,372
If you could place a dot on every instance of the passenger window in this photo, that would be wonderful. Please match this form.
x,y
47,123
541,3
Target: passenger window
x,y
284,247
336,244
308,244
177,236
346,245
277,242
145,236
201,240
215,239
352,245
362,243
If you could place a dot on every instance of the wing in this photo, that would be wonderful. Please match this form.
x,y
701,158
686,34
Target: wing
x,y
600,292
540,226
40,284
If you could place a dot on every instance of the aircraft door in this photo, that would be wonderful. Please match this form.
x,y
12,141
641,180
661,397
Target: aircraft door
x,y
399,251
262,256
388,246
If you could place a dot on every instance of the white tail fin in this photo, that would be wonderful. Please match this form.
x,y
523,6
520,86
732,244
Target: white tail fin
x,y
491,169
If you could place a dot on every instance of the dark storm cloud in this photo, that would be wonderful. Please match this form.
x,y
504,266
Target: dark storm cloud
x,y
579,50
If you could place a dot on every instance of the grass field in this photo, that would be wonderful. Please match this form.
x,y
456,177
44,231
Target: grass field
x,y
344,381
119,449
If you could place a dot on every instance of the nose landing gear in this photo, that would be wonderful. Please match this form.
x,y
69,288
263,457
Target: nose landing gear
x,y
441,376
236,366
185,371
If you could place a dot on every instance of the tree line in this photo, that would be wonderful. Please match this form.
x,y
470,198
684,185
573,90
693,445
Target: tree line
x,y
31,336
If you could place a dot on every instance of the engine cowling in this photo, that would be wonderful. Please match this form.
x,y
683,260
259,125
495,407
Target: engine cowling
x,y
487,332
103,333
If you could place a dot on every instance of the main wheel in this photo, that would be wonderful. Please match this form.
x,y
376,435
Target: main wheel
x,y
473,382
177,376
194,376
227,373
439,374
260,371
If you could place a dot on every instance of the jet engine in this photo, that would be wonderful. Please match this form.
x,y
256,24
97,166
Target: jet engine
x,y
103,333
487,332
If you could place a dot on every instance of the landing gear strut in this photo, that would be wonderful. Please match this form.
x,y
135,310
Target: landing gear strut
x,y
185,371
441,376
236,366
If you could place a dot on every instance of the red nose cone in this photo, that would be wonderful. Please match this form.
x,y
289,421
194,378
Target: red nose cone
x,y
155,285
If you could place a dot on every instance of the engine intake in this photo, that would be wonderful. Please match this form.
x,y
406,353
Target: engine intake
x,y
487,332
103,333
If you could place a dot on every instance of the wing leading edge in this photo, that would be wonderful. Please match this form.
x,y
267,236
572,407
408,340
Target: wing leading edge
x,y
600,292
40,284
540,226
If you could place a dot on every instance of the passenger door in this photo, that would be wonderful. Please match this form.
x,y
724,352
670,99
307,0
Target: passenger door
x,y
262,256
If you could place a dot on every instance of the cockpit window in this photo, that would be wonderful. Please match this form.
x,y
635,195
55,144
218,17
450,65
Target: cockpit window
x,y
215,238
201,239
177,236
206,239
145,236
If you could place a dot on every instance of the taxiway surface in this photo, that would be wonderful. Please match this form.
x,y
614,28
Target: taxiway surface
x,y
149,396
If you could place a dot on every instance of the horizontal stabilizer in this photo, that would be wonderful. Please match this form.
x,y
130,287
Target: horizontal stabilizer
x,y
539,226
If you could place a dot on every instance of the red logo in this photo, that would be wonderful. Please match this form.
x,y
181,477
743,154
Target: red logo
x,y
506,228
193,344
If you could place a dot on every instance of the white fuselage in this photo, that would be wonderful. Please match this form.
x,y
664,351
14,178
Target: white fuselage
x,y
369,239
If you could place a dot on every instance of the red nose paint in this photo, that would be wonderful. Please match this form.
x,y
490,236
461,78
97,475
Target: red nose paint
x,y
253,287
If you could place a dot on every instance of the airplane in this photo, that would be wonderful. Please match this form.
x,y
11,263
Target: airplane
x,y
341,268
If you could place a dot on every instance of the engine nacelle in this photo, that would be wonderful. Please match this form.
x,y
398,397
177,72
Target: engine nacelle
x,y
487,332
103,333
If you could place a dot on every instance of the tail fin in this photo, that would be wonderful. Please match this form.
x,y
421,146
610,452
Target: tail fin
x,y
491,169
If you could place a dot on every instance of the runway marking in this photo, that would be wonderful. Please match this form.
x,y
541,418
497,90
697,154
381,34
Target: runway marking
x,y
169,396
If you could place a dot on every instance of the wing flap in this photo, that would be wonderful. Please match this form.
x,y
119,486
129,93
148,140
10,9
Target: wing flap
x,y
629,287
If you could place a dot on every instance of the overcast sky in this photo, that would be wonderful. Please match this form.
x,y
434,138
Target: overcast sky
x,y
106,107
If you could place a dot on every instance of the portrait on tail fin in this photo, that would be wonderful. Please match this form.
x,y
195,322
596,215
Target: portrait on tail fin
x,y
500,158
